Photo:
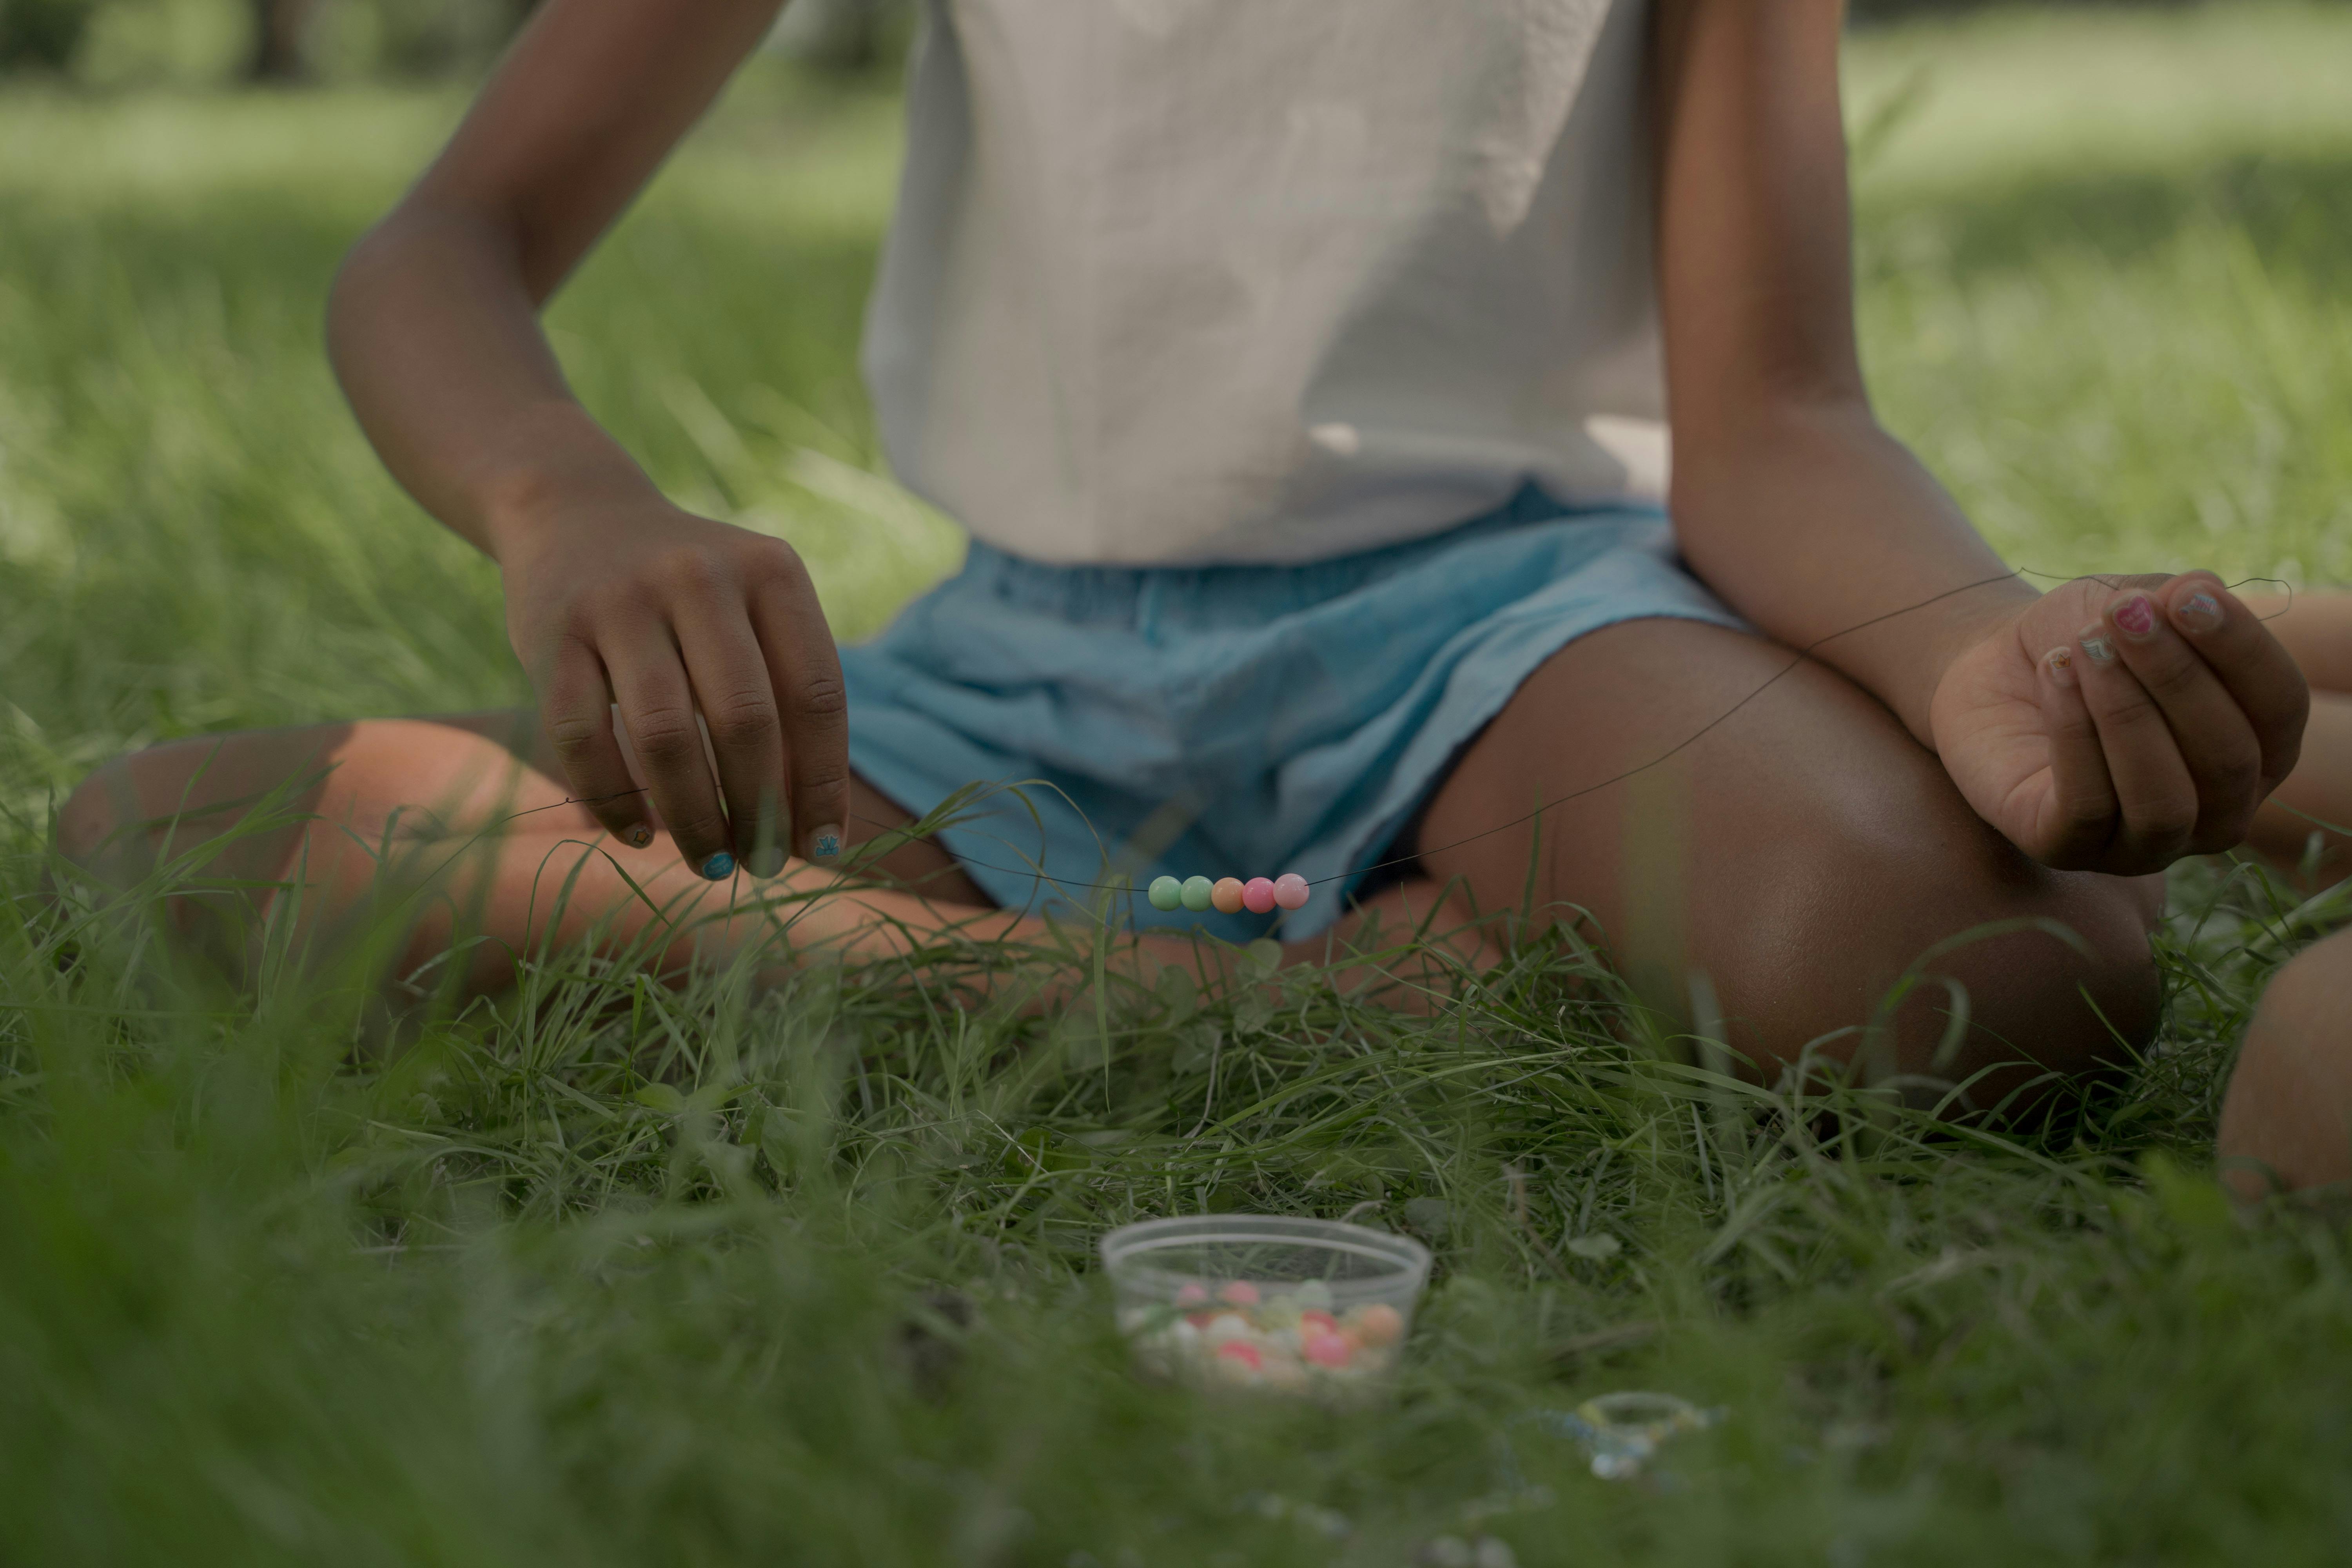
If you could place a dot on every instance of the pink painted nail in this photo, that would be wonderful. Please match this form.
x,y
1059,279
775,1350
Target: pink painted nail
x,y
2095,646
2135,617
2060,661
2200,612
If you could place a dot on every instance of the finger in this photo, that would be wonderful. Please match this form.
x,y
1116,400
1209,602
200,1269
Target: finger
x,y
658,705
2079,815
2215,741
2155,799
806,673
2259,673
578,716
729,677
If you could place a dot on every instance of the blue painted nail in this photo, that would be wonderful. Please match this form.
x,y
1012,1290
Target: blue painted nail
x,y
720,867
2198,611
827,844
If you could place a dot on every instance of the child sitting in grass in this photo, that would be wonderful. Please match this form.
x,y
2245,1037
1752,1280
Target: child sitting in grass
x,y
1304,374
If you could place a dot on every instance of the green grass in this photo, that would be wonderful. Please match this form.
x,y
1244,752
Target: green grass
x,y
610,1274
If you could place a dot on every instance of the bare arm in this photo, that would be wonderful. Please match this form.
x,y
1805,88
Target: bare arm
x,y
2111,724
434,322
1787,497
613,595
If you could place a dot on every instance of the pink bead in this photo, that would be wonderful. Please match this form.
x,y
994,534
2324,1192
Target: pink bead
x,y
1257,896
1191,1293
1290,891
1377,1324
1240,1293
1248,1354
1325,1350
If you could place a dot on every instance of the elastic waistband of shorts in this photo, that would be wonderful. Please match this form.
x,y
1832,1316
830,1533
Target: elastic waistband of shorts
x,y
1129,595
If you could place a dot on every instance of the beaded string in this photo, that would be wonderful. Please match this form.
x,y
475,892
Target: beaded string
x,y
1260,895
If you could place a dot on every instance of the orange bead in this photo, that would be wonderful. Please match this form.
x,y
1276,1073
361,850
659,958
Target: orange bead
x,y
1226,896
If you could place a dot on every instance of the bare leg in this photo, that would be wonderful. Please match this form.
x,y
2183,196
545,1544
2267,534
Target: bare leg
x,y
1801,856
2317,630
2287,1119
462,820
1816,851
465,807
2286,1122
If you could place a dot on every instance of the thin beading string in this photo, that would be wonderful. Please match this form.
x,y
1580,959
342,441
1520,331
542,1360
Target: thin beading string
x,y
1800,657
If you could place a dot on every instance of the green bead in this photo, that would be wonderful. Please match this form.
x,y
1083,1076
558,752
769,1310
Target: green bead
x,y
1196,893
1166,893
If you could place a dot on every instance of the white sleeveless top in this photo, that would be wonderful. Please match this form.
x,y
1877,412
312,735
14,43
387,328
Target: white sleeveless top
x,y
1268,280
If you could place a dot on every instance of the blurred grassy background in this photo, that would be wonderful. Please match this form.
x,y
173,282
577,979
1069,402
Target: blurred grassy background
x,y
265,1298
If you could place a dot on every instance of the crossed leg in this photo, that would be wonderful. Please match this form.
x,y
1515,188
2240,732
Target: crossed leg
x,y
2316,800
465,818
1801,856
2287,1121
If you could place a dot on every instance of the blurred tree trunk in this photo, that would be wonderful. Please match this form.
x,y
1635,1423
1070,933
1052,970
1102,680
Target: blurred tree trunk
x,y
277,39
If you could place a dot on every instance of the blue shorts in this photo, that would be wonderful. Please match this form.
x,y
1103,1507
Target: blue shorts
x,y
1230,721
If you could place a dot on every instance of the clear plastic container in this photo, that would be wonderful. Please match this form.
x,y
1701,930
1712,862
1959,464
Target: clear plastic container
x,y
1308,1307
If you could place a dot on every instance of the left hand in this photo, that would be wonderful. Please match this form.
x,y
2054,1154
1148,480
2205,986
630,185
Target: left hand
x,y
2117,724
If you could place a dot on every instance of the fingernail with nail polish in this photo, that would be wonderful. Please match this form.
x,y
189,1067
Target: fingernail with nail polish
x,y
824,844
2198,611
639,836
2060,661
2135,617
766,861
720,867
2096,646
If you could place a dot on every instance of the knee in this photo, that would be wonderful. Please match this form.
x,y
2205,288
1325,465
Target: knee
x,y
1953,963
2287,1121
2070,984
94,818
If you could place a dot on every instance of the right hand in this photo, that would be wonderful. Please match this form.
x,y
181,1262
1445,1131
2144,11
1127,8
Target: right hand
x,y
638,602
2117,724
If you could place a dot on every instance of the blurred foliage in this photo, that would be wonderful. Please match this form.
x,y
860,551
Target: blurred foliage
x,y
409,38
195,42
1881,10
41,33
846,35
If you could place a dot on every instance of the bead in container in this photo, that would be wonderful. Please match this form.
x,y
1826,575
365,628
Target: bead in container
x,y
1166,893
1290,891
1257,896
1227,895
1273,1303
